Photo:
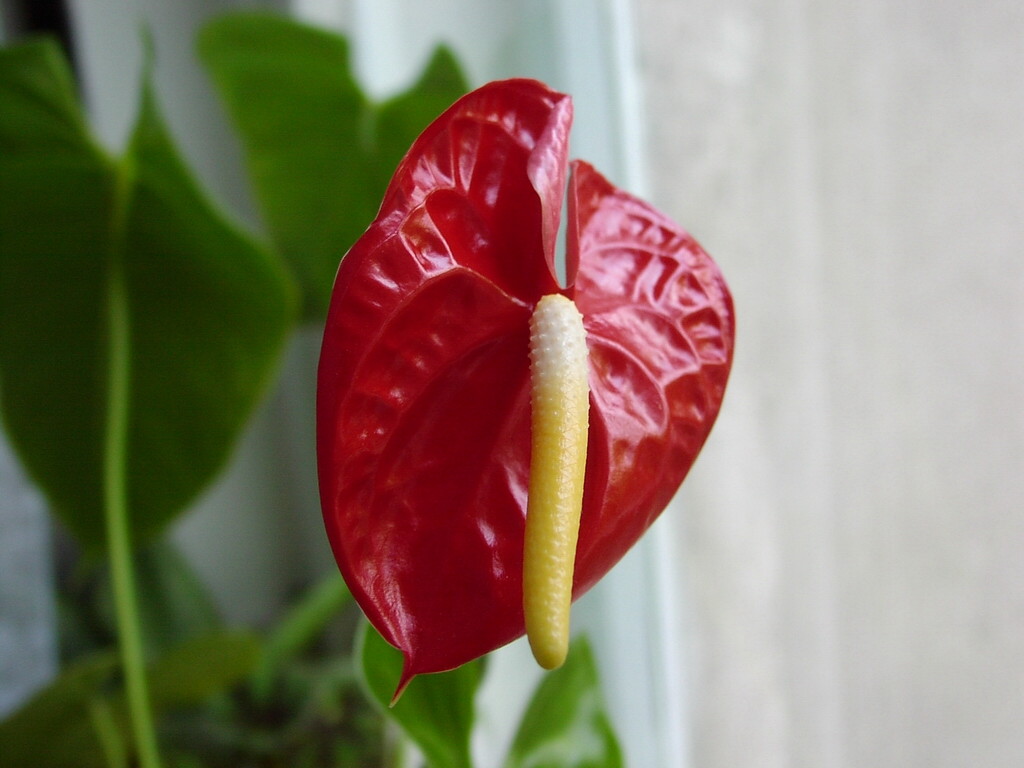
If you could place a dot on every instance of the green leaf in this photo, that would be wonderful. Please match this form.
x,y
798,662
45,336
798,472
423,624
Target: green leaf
x,y
59,726
53,728
197,669
94,249
565,725
435,711
320,152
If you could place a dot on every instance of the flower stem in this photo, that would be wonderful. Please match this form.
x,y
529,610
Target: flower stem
x,y
115,494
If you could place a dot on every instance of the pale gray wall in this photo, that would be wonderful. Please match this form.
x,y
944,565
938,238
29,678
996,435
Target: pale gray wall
x,y
853,534
28,644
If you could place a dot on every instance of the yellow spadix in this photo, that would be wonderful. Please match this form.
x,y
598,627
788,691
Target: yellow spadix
x,y
560,404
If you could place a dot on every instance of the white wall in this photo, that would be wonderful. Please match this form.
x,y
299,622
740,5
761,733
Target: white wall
x,y
28,645
853,534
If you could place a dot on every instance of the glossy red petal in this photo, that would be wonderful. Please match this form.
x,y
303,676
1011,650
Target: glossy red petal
x,y
423,442
660,331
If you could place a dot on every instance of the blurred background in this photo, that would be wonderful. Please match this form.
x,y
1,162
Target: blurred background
x,y
841,582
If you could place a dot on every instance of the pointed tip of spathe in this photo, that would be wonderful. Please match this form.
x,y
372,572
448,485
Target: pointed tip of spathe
x,y
403,682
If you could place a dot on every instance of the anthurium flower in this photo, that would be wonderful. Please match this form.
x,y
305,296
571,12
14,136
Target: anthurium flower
x,y
424,390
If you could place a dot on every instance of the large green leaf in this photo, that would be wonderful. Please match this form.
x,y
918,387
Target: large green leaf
x,y
435,711
123,293
565,725
320,152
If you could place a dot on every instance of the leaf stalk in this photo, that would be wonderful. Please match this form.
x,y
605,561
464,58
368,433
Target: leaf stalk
x,y
115,487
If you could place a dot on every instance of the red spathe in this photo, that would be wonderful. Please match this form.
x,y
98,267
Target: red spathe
x,y
423,410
